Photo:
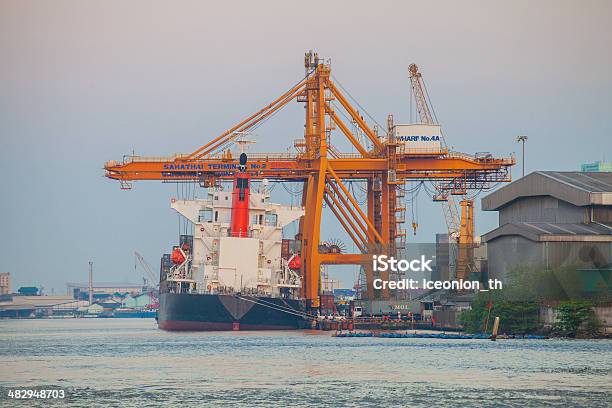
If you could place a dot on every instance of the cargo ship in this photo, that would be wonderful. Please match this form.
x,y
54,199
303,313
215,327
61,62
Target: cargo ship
x,y
235,272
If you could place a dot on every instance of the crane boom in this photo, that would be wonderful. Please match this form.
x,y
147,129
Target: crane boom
x,y
145,265
460,229
418,90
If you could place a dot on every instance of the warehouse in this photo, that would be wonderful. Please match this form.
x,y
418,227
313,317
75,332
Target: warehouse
x,y
551,219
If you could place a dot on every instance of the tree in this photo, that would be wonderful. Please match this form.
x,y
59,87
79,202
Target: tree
x,y
576,317
526,288
516,317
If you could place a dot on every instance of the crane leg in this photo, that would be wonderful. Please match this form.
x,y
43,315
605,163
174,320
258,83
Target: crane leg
x,y
465,257
369,273
302,232
312,235
384,231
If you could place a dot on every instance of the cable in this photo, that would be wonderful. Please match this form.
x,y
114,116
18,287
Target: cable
x,y
293,193
230,140
363,189
411,97
365,141
352,191
356,102
417,187
277,307
429,101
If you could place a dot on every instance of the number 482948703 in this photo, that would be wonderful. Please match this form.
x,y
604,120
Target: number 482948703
x,y
31,393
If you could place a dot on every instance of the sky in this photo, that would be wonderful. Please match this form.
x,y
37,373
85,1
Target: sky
x,y
86,82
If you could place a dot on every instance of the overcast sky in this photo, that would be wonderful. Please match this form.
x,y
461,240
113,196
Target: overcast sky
x,y
82,82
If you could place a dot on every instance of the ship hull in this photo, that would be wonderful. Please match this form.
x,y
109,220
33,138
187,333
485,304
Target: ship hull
x,y
196,312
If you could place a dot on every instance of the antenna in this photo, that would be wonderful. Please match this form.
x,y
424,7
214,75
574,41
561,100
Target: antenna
x,y
242,141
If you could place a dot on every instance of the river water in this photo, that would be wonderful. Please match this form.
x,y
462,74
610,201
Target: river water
x,y
129,362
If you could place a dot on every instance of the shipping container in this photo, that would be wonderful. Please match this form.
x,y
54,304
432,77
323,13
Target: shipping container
x,y
290,247
327,303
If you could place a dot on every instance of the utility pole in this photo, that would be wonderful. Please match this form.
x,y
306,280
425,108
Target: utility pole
x,y
90,282
522,139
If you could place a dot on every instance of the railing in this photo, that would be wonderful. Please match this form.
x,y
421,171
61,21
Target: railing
x,y
402,151
422,151
159,159
349,155
276,156
482,158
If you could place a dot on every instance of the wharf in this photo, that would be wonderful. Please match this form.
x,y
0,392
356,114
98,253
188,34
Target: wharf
x,y
373,323
442,335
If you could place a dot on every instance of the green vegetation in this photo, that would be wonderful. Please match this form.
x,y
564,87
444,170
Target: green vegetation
x,y
576,318
518,303
516,317
535,284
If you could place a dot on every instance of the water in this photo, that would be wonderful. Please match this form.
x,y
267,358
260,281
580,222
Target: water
x,y
129,362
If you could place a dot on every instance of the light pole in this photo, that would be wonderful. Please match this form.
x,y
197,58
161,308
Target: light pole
x,y
90,283
522,139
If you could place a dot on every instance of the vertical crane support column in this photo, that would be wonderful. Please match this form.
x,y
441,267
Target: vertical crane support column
x,y
378,213
466,240
301,235
386,212
369,272
316,187
309,134
309,129
378,193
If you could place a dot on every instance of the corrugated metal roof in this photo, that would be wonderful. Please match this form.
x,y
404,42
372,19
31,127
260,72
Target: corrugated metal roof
x,y
577,188
34,302
546,231
591,182
104,285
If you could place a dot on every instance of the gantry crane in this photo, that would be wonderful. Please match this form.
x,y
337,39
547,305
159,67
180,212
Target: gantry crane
x,y
460,227
324,172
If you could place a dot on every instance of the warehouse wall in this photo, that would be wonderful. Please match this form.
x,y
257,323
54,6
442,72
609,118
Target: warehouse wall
x,y
507,252
542,209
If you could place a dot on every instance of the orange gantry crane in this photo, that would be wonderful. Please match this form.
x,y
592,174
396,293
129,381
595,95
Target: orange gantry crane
x,y
383,163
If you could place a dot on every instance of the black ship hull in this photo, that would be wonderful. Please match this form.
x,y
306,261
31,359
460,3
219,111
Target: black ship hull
x,y
228,312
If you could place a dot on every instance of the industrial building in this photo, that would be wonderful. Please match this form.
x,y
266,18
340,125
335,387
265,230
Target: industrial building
x,y
102,290
29,291
19,306
138,301
551,219
5,283
14,306
443,261
598,166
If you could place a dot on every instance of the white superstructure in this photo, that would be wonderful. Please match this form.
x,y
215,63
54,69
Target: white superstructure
x,y
221,263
